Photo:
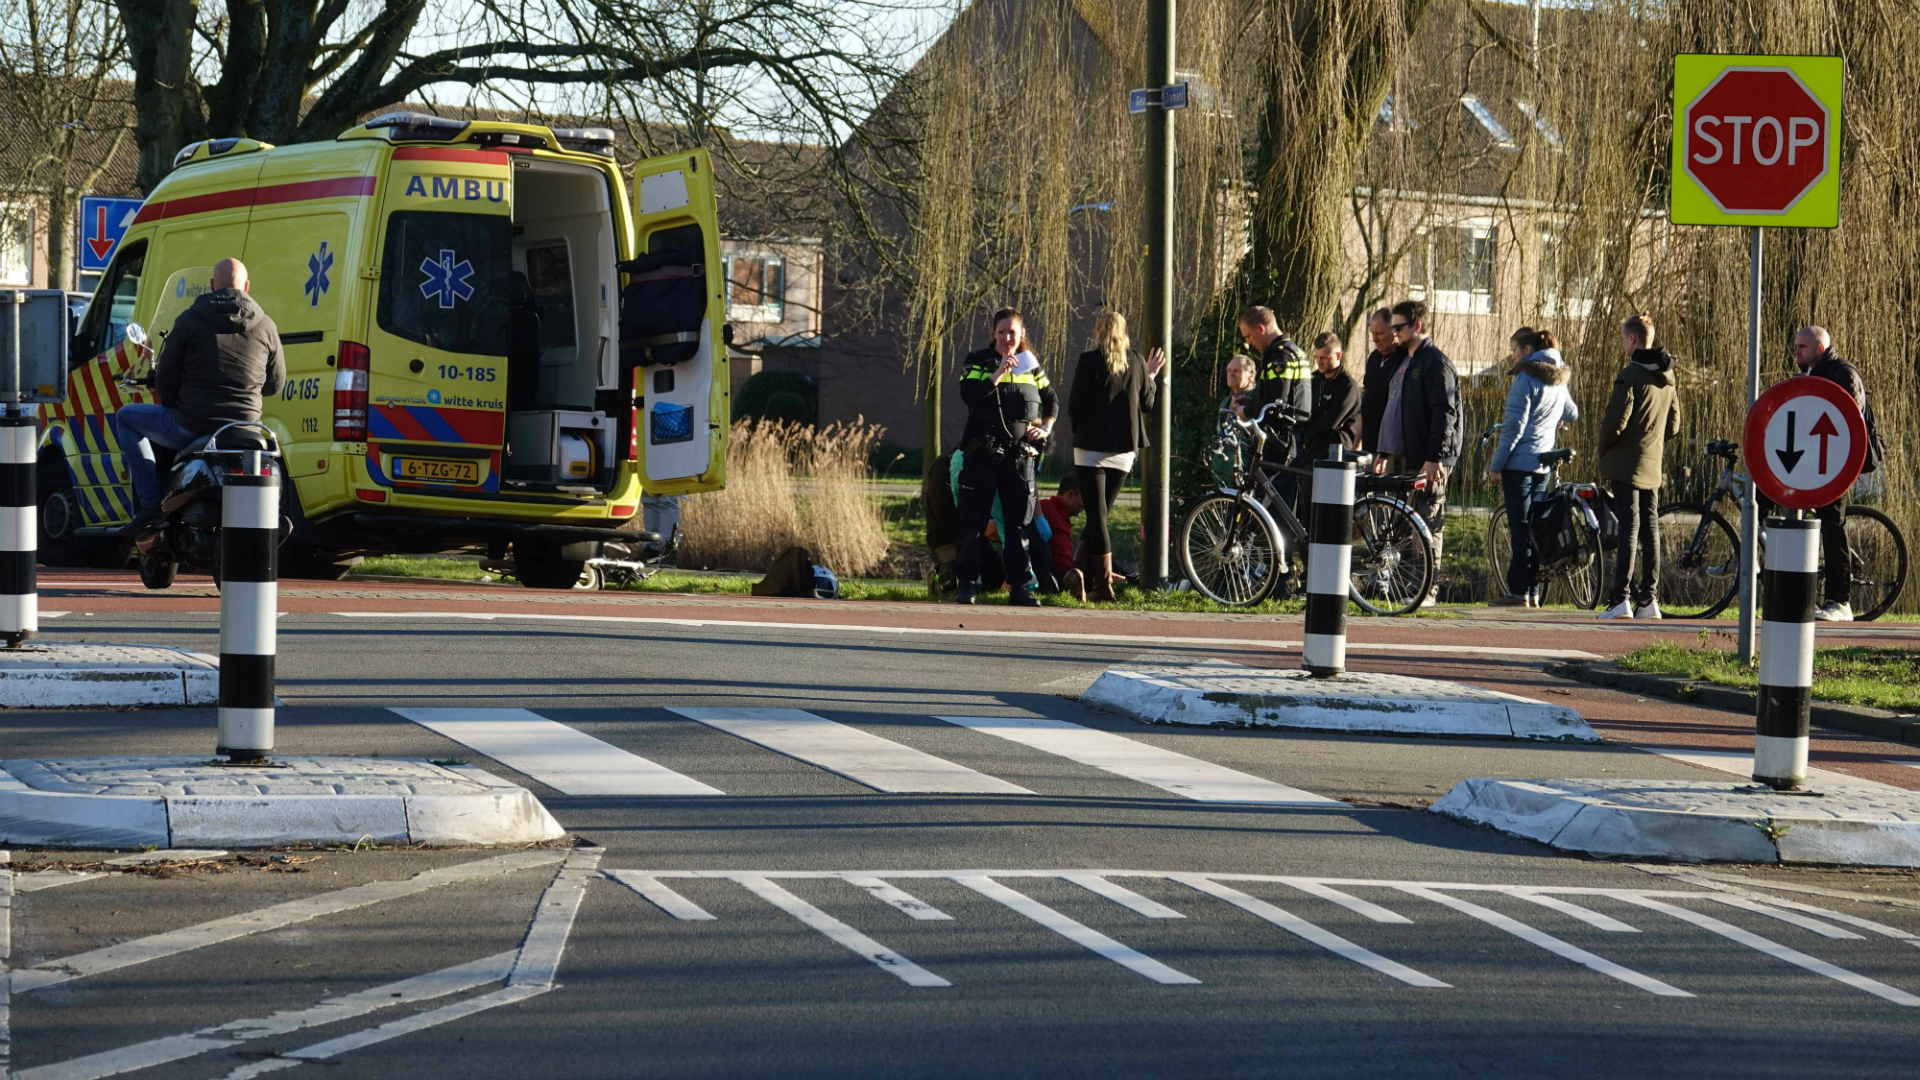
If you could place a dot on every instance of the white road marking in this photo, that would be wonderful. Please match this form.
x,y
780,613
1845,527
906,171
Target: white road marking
x,y
1824,929
1740,763
145,1055
1169,771
1548,942
1017,635
553,920
858,943
899,899
1366,908
860,756
1774,948
532,975
1078,933
568,761
1299,927
1123,896
1584,914
1714,881
172,942
662,897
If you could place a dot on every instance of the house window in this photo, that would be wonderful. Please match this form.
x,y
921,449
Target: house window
x,y
756,288
1451,268
1569,275
1501,136
16,245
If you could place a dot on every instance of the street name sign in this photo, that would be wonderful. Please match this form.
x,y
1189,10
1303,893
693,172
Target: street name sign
x,y
103,221
1805,442
1756,140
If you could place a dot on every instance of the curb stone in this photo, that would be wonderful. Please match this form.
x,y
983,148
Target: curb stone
x,y
1859,719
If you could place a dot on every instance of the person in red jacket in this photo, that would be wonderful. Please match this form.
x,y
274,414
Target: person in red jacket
x,y
1060,509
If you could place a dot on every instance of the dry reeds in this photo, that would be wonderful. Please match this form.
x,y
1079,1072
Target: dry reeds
x,y
790,484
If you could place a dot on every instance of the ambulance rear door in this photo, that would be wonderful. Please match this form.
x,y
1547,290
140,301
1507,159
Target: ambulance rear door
x,y
683,424
438,331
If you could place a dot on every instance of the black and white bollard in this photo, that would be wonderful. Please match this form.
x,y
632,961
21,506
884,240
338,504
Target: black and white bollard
x,y
19,528
1329,568
249,606
1786,652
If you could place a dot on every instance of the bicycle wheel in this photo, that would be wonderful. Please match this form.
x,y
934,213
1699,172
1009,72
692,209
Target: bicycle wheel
x,y
1879,562
1392,557
1585,575
1499,554
1699,562
1227,551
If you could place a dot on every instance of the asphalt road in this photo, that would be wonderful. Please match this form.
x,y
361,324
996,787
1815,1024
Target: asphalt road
x,y
793,926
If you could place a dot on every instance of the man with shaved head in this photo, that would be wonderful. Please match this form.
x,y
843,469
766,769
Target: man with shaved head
x,y
216,366
1813,353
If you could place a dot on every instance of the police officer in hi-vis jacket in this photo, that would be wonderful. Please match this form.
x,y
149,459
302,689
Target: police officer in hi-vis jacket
x,y
1010,412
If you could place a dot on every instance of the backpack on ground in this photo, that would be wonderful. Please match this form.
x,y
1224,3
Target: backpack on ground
x,y
790,575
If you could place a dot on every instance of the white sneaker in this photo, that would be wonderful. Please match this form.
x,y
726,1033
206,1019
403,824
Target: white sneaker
x,y
1648,611
1620,610
1833,611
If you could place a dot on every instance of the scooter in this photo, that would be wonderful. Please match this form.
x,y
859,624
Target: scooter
x,y
188,536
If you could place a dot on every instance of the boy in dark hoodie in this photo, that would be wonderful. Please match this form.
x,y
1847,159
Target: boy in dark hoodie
x,y
1642,414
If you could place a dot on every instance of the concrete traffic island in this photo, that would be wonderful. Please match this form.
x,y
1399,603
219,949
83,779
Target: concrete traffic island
x,y
1857,824
79,676
185,800
1223,694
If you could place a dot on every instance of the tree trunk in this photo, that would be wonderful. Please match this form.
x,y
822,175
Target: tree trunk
x,y
160,39
1332,66
60,237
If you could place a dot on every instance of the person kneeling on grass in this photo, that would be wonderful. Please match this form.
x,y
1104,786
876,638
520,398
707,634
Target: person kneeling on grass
x,y
1057,511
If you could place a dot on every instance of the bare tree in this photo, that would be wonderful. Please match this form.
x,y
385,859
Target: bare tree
x,y
66,114
300,70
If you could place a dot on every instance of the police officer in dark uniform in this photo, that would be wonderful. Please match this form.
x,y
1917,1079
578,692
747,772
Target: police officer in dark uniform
x,y
1010,412
1284,375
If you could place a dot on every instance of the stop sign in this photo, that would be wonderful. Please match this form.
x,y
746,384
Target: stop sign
x,y
1756,140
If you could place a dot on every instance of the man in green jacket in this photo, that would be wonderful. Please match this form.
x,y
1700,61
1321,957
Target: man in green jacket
x,y
1642,414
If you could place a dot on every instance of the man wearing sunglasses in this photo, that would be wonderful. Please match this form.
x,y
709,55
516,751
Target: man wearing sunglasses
x,y
1420,424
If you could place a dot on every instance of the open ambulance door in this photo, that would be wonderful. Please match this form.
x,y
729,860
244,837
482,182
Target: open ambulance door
x,y
682,388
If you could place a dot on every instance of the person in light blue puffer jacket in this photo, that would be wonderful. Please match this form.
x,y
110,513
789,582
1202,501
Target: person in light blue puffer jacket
x,y
1537,404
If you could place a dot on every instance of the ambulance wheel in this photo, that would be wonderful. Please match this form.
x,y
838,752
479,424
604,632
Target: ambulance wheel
x,y
539,566
158,571
60,517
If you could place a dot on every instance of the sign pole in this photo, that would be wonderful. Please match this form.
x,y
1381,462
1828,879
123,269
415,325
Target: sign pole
x,y
1749,513
1155,479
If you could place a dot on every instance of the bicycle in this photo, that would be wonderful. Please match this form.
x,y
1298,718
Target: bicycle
x,y
1237,543
1700,550
1579,567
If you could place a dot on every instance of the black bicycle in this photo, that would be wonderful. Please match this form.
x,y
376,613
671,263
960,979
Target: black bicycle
x,y
1567,541
1700,550
1241,542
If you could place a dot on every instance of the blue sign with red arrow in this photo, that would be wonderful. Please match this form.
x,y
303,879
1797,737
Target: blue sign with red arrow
x,y
103,221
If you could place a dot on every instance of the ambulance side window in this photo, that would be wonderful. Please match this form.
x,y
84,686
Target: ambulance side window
x,y
446,280
112,307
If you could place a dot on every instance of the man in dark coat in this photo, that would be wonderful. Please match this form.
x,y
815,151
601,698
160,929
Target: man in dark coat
x,y
1813,352
1420,426
221,360
1381,364
1335,417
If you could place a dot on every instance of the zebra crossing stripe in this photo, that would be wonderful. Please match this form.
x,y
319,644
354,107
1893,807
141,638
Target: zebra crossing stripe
x,y
1365,908
898,899
840,933
568,761
662,897
1199,780
1584,914
1773,948
1548,942
1299,927
1076,932
1824,929
1123,896
860,756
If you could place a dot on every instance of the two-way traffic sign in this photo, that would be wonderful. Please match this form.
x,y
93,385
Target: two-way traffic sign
x,y
103,221
1805,442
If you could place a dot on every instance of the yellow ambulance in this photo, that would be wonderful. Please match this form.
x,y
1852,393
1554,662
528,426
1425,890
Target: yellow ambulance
x,y
459,303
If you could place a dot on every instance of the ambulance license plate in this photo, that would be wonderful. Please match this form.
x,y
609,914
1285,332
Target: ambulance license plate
x,y
437,471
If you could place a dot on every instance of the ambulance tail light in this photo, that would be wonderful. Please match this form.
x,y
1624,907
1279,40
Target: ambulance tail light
x,y
350,393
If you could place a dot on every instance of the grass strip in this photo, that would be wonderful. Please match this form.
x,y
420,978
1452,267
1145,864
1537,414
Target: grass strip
x,y
1883,678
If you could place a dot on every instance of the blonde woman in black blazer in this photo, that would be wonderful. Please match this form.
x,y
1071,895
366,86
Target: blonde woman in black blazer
x,y
1112,389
